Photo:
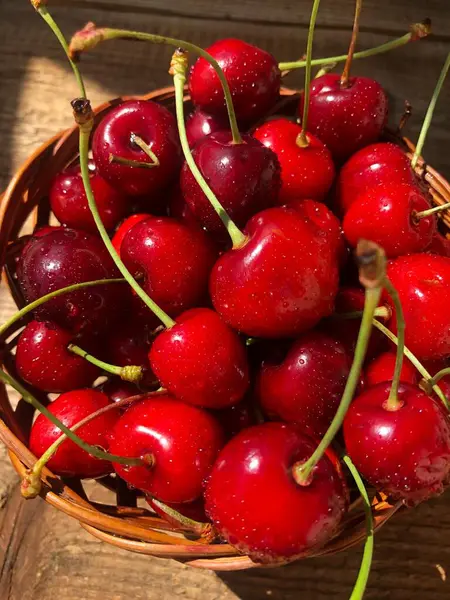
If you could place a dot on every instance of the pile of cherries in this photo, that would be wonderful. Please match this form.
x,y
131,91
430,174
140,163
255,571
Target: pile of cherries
x,y
243,379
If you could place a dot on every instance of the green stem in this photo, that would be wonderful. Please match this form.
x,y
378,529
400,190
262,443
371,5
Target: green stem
x,y
439,375
430,211
71,288
393,402
178,70
366,563
135,163
92,450
351,50
383,312
428,117
131,373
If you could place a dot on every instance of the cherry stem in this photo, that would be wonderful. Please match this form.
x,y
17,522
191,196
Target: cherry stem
x,y
90,36
366,563
92,450
439,375
431,211
131,373
135,139
429,115
351,50
204,530
383,312
178,70
393,402
71,288
302,139
415,361
325,69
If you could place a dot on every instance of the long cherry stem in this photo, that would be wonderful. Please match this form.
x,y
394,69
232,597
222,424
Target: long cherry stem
x,y
203,530
439,375
131,373
351,50
430,111
138,141
178,70
431,211
393,402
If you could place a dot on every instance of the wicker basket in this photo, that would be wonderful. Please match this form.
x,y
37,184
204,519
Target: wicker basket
x,y
124,524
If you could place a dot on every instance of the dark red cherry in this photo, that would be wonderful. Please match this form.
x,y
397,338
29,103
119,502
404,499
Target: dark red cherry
x,y
125,227
234,419
178,208
381,369
183,440
252,75
346,118
439,245
244,177
70,408
423,284
306,173
156,126
404,452
174,259
385,214
64,257
307,386
70,206
201,361
382,163
281,282
118,390
42,359
199,124
258,463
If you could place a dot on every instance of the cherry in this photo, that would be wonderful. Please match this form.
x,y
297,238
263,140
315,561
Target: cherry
x,y
182,440
423,284
116,389
382,163
244,177
125,227
306,172
348,118
252,75
70,408
199,124
281,282
174,259
70,206
307,386
404,452
381,369
260,463
42,359
178,208
114,141
385,214
200,360
64,257
439,245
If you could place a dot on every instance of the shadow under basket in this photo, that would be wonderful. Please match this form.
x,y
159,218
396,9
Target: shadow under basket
x,y
123,523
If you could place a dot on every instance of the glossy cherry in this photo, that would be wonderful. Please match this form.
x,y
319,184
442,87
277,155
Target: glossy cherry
x,y
201,361
439,245
348,118
70,408
156,126
244,177
404,452
306,173
116,389
281,282
381,369
258,464
125,227
183,440
385,214
199,124
252,75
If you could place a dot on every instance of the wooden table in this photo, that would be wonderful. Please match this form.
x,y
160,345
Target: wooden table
x,y
44,554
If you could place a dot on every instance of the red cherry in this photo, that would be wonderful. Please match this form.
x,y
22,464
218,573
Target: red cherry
x,y
236,418
201,361
252,75
306,173
156,126
118,390
70,408
383,163
177,208
125,227
404,452
42,359
183,440
307,386
257,464
385,215
70,206
439,245
199,124
346,118
281,282
381,369
244,177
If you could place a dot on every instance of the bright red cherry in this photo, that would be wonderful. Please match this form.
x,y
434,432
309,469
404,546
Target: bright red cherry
x,y
306,173
423,284
116,389
281,282
258,463
70,408
42,359
404,452
307,386
201,361
114,138
385,214
182,440
252,75
125,227
439,245
244,177
199,124
381,369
